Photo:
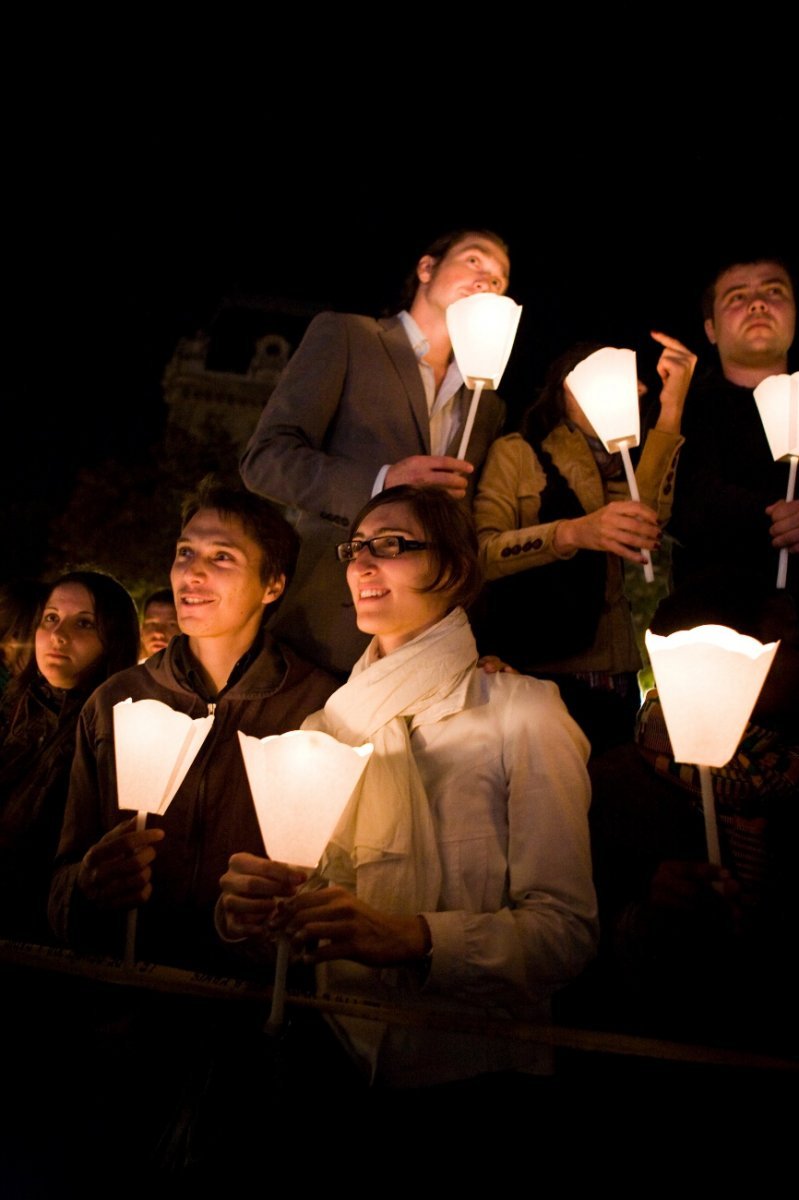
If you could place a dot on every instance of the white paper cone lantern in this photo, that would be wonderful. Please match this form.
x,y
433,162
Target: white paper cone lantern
x,y
708,680
605,385
154,748
301,783
777,400
482,328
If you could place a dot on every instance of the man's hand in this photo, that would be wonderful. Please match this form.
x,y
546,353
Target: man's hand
x,y
348,928
432,470
116,872
687,885
623,527
675,367
784,525
251,890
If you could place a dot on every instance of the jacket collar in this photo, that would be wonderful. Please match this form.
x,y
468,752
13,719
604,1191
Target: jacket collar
x,y
261,670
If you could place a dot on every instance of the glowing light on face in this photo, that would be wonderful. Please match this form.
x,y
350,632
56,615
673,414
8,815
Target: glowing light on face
x,y
389,602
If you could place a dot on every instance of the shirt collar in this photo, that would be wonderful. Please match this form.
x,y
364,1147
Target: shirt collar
x,y
419,343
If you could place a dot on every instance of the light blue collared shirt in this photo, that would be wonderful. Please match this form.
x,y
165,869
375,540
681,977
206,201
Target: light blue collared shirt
x,y
445,419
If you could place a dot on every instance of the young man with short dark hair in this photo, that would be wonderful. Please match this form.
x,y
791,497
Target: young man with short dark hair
x,y
234,556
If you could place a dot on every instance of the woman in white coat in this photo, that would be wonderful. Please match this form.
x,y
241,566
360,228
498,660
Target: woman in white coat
x,y
459,877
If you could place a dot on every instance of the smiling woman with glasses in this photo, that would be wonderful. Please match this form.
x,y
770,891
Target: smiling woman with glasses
x,y
460,872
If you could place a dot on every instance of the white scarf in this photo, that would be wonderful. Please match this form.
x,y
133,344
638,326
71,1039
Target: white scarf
x,y
384,848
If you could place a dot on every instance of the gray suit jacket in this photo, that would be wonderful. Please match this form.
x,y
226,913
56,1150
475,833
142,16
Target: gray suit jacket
x,y
350,401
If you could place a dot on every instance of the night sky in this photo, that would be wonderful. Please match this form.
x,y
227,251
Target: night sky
x,y
124,237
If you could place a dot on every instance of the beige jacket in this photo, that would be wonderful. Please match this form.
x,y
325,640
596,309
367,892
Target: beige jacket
x,y
506,510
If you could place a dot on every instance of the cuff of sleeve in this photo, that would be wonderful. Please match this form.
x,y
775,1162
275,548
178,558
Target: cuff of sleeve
x,y
448,949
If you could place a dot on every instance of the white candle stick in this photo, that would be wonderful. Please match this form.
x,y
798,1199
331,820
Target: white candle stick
x,y
709,812
467,429
782,569
133,914
279,986
632,483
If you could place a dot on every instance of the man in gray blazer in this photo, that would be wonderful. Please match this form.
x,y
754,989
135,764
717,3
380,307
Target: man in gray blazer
x,y
364,405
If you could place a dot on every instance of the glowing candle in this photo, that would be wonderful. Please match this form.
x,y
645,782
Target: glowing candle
x,y
708,680
482,328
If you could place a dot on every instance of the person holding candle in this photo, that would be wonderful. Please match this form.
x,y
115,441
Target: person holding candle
x,y
555,524
460,873
730,506
234,556
86,630
698,948
366,404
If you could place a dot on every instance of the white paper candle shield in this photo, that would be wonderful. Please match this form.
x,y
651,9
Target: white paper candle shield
x,y
777,399
708,680
301,783
482,328
154,748
605,385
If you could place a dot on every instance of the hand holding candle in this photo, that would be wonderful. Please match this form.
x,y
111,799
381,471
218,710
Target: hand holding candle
x,y
605,385
301,783
116,872
154,747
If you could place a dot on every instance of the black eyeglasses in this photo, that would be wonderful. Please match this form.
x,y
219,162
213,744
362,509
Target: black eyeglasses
x,y
389,545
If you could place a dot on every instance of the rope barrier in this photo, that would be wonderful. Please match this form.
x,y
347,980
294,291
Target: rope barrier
x,y
161,978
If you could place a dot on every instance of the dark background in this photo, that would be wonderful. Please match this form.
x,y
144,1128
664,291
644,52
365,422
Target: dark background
x,y
128,227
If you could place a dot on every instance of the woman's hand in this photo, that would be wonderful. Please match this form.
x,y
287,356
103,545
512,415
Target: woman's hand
x,y
350,929
623,527
252,887
116,871
675,367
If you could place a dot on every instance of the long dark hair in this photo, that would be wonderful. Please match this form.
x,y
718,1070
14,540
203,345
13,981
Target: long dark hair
x,y
117,624
549,407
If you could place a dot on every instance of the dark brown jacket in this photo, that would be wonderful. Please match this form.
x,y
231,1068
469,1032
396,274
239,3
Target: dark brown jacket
x,y
211,816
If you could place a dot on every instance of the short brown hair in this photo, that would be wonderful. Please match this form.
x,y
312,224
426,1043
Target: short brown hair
x,y
449,528
439,248
278,542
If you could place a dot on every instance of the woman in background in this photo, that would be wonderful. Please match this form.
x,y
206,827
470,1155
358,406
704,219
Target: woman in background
x,y
87,630
555,523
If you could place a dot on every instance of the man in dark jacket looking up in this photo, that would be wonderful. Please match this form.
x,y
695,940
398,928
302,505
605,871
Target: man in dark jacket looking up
x,y
729,499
